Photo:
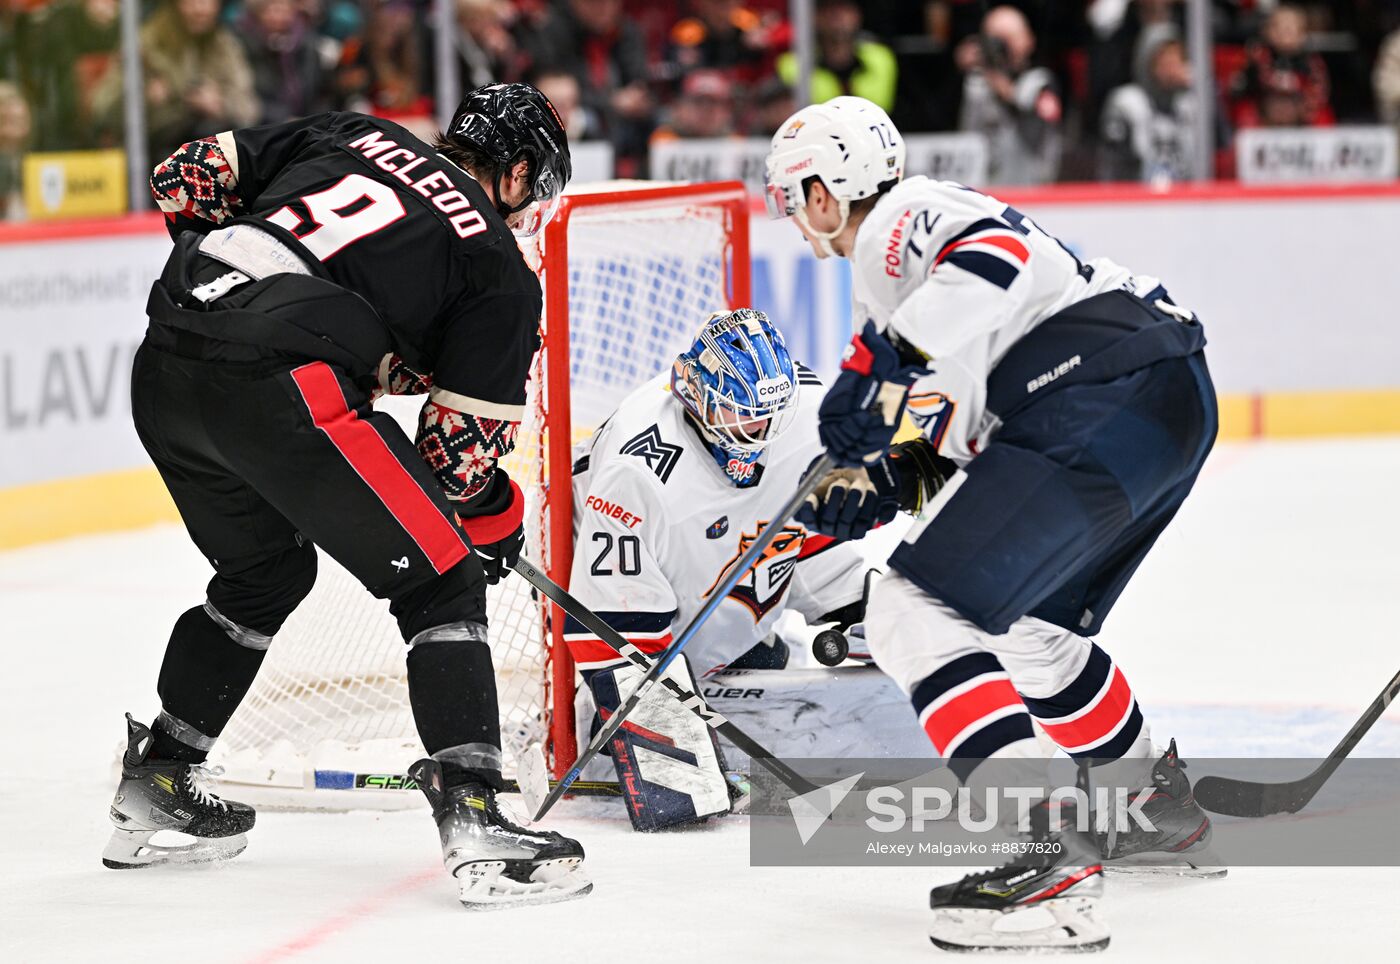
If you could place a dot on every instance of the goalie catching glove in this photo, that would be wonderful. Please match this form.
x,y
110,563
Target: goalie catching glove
x,y
850,502
494,520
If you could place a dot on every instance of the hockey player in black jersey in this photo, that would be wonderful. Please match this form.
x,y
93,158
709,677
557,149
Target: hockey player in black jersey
x,y
317,264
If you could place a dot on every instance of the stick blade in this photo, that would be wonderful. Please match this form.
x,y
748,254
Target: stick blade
x,y
1244,798
532,773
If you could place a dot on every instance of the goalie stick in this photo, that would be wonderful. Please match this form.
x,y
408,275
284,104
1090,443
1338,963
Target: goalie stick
x,y
691,700
603,737
1245,798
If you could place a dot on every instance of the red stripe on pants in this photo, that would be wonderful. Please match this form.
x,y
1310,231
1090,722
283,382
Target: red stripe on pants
x,y
963,710
372,460
1098,720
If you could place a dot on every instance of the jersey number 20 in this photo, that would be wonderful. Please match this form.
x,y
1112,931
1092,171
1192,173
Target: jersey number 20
x,y
626,545
352,209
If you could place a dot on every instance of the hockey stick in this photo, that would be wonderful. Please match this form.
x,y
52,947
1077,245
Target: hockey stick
x,y
1245,798
603,737
691,700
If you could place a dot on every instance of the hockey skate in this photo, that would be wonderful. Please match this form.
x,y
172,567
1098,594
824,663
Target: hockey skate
x,y
167,797
497,863
1044,901
1179,844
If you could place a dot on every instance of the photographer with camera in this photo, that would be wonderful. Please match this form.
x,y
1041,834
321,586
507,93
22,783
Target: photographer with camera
x,y
1014,104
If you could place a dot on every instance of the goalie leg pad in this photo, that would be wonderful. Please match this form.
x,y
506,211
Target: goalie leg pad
x,y
667,761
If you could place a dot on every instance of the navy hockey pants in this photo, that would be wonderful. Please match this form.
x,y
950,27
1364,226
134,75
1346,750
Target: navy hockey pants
x,y
1060,509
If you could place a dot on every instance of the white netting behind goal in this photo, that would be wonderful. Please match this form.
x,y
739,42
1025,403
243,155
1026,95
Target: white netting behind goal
x,y
329,711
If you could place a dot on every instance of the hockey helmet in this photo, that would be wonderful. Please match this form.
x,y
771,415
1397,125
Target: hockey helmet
x,y
511,121
737,382
847,142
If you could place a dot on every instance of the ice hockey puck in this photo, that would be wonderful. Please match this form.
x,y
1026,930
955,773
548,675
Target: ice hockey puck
x,y
830,647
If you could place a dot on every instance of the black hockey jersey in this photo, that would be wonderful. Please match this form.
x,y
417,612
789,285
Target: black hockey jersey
x,y
389,219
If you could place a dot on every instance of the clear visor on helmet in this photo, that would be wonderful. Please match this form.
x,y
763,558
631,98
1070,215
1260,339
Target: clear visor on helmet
x,y
544,202
742,427
775,199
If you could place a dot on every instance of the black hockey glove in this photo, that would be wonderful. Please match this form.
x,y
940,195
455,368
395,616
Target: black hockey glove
x,y
494,520
921,471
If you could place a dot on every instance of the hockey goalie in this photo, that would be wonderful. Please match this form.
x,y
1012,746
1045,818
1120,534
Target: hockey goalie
x,y
668,494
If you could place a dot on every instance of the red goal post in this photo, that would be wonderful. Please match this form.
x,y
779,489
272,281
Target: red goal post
x,y
731,200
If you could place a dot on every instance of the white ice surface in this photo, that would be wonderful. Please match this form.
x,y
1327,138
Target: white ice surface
x,y
1262,623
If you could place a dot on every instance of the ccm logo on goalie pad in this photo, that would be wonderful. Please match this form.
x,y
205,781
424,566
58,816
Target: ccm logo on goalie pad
x,y
613,510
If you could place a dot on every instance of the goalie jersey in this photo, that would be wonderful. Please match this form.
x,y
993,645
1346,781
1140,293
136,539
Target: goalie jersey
x,y
657,523
962,278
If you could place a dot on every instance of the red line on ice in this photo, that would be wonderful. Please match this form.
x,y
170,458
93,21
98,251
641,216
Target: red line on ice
x,y
356,913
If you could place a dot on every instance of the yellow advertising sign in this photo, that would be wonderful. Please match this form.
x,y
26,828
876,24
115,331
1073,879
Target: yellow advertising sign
x,y
74,184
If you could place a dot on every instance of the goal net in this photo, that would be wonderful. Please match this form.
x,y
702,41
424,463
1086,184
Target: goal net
x,y
629,270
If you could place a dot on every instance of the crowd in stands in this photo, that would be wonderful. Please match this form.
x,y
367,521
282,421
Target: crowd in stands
x,y
1068,90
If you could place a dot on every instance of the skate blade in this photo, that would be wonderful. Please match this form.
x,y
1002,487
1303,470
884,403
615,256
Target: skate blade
x,y
1074,929
132,849
1202,864
482,885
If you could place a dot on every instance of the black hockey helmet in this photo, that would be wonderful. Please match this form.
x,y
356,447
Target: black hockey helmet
x,y
510,121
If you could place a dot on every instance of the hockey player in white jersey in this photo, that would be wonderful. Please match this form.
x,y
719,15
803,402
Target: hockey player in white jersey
x,y
1068,409
668,493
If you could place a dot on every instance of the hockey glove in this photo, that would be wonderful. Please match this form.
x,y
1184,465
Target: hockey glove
x,y
859,415
850,502
494,520
921,473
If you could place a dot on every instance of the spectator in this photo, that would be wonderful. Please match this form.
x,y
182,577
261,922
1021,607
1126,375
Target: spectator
x,y
726,35
1011,102
287,70
15,128
75,44
197,79
705,108
336,20
1148,132
773,103
1283,83
1387,79
1116,31
561,87
848,62
486,47
384,71
606,53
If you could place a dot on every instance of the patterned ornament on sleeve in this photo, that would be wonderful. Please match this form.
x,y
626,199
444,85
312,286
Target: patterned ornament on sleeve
x,y
197,181
462,449
397,378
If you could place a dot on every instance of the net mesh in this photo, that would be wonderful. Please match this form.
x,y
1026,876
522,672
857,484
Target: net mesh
x,y
331,700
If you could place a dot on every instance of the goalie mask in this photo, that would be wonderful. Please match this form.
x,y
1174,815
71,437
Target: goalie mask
x,y
738,385
847,142
513,121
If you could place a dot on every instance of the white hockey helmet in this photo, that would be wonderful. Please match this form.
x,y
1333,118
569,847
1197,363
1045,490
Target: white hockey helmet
x,y
848,142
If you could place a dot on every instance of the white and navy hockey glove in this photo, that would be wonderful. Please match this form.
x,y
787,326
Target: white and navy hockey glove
x,y
861,412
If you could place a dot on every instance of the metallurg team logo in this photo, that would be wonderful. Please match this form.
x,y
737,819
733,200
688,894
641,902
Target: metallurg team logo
x,y
763,586
660,457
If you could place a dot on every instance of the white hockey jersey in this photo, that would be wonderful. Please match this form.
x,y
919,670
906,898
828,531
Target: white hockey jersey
x,y
657,523
962,277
